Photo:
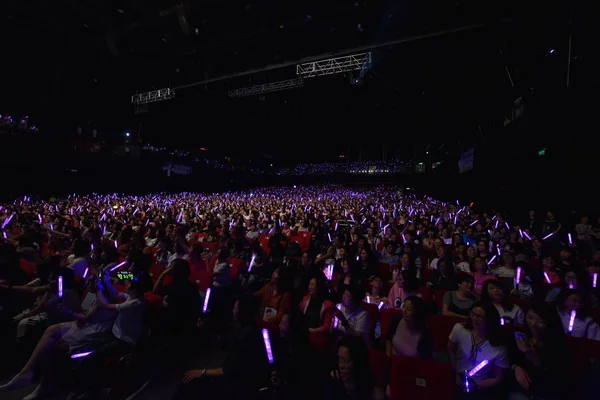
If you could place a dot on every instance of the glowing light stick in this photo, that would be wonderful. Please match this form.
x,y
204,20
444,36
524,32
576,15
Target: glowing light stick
x,y
368,299
527,235
502,321
40,218
206,297
80,355
467,381
118,266
491,260
477,368
571,285
547,277
572,320
473,223
267,340
60,287
85,273
329,236
595,279
252,262
548,235
336,321
521,232
116,244
518,279
570,238
380,305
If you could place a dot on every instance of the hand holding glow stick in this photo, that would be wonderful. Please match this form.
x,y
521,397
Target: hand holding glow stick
x,y
336,321
518,278
252,260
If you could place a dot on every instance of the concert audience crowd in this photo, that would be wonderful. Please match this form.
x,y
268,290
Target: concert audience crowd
x,y
362,293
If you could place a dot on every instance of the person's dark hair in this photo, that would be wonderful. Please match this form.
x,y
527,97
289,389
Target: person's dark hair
x,y
224,253
357,292
582,313
322,288
81,248
421,312
111,254
411,283
507,304
139,286
494,332
44,270
359,353
247,308
181,269
460,278
286,280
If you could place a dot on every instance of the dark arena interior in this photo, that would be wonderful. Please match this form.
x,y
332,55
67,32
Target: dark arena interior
x,y
331,199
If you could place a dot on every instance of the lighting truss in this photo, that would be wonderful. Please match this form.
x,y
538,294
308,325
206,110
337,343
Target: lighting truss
x,y
153,96
332,66
267,88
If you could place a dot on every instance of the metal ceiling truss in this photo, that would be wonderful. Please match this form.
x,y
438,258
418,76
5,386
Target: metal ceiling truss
x,y
153,96
338,65
267,88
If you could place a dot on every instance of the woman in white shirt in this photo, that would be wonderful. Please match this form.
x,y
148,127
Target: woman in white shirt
x,y
510,313
479,343
583,326
353,318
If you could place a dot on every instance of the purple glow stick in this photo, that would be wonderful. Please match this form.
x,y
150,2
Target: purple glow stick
x,y
80,355
507,226
252,262
116,244
521,233
571,285
335,319
473,223
518,279
368,299
267,340
570,238
85,272
60,287
595,279
118,266
467,381
477,368
329,236
206,297
380,305
5,235
547,277
526,235
40,218
496,225
548,235
491,260
572,320
502,321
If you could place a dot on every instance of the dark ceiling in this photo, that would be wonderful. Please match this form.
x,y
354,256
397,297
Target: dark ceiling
x,y
82,60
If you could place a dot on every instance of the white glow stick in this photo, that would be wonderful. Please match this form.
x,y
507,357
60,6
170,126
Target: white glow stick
x,y
547,277
206,297
572,320
80,355
380,305
518,279
368,299
267,340
116,244
477,368
502,321
252,262
60,287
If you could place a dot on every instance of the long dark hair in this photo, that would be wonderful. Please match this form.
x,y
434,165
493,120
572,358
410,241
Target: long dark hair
x,y
298,336
485,296
359,353
582,313
421,312
495,334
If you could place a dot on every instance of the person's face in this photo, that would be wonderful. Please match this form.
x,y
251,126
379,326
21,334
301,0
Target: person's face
x,y
389,248
507,258
347,299
284,326
495,292
345,364
565,255
312,287
440,251
584,220
466,286
478,318
471,252
437,243
405,260
304,258
481,247
377,283
573,302
275,275
549,215
364,255
535,322
342,252
548,262
400,280
571,279
408,312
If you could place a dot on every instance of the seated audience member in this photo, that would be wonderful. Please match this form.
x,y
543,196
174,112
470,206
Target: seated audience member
x,y
443,278
275,298
375,296
180,298
481,274
220,297
458,303
510,313
297,374
78,261
577,280
245,370
583,326
539,357
480,338
525,289
315,306
351,379
353,317
409,334
406,285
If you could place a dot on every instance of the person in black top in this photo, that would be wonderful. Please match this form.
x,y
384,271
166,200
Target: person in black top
x,y
245,370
